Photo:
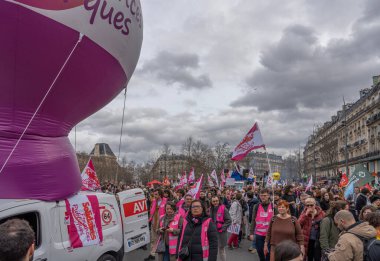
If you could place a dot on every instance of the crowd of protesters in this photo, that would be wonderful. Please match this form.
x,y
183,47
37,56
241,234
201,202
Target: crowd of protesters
x,y
320,223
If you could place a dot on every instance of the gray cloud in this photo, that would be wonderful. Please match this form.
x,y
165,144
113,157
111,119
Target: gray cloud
x,y
177,69
300,72
291,70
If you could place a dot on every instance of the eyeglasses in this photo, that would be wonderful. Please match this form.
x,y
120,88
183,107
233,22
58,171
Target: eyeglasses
x,y
196,206
310,205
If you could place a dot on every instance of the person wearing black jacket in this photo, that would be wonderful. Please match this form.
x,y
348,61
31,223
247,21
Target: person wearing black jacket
x,y
191,235
290,197
362,200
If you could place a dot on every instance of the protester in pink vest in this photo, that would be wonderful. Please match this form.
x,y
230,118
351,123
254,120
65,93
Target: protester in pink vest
x,y
157,209
198,236
221,217
261,216
169,231
185,207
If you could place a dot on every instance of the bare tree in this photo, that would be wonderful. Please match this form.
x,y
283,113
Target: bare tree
x,y
222,153
187,148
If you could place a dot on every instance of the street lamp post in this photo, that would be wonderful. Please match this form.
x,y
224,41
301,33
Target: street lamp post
x,y
314,159
346,136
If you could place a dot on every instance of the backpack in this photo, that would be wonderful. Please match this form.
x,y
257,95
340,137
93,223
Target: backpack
x,y
371,248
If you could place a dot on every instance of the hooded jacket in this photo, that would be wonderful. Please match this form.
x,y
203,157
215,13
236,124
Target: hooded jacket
x,y
349,246
236,212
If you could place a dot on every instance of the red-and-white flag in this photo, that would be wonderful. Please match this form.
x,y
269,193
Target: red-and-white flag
x,y
191,178
215,178
89,179
344,181
184,178
209,180
309,184
251,141
196,190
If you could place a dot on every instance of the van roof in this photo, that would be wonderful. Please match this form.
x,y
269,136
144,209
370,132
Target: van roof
x,y
10,203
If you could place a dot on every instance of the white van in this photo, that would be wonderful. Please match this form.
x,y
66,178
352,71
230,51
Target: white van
x,y
125,226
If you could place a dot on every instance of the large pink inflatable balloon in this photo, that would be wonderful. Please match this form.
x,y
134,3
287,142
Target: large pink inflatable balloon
x,y
37,37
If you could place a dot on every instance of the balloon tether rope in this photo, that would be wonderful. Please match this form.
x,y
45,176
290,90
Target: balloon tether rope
x,y
42,101
121,134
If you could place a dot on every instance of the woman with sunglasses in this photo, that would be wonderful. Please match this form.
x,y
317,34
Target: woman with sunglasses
x,y
221,217
199,237
309,220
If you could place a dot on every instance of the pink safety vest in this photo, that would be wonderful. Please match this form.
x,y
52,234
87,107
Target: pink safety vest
x,y
173,240
161,209
262,220
204,239
220,218
180,202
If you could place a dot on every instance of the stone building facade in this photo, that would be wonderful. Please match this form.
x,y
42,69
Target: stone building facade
x,y
325,151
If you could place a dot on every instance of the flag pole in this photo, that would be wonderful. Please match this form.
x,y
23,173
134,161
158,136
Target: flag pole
x,y
270,171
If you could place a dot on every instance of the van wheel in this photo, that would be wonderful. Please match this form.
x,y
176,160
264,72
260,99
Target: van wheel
x,y
107,257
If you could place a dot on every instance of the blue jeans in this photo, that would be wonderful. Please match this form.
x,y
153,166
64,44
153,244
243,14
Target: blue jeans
x,y
254,243
167,255
260,241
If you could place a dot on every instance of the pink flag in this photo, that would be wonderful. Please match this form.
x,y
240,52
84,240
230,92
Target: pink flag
x,y
309,184
251,141
191,178
222,179
210,183
215,178
89,179
196,190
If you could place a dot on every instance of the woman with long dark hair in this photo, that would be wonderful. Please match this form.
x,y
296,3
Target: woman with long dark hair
x,y
326,199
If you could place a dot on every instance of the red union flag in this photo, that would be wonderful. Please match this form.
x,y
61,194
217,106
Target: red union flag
x,y
89,179
344,181
251,141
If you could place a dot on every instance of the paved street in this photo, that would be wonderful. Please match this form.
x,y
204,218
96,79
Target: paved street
x,y
240,254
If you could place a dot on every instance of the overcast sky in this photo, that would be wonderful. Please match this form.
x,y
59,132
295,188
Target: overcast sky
x,y
210,69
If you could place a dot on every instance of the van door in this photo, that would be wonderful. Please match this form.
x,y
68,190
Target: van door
x,y
134,213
